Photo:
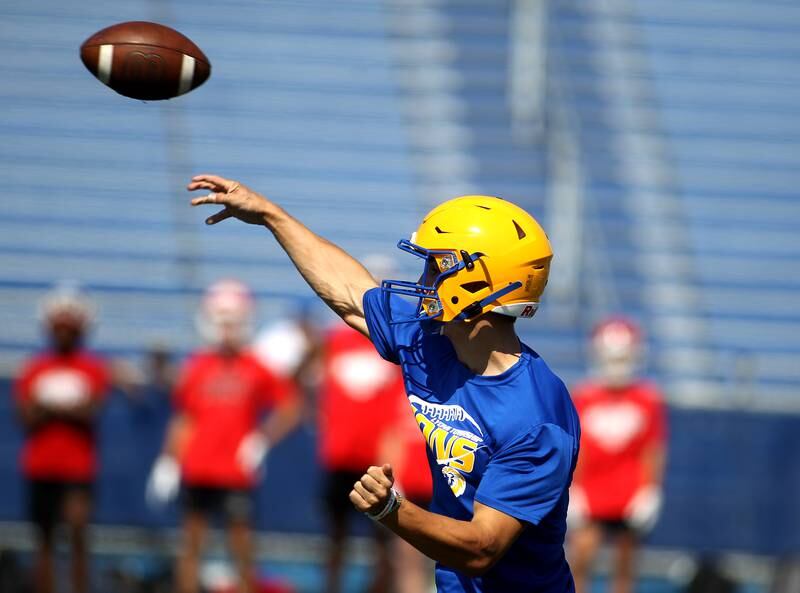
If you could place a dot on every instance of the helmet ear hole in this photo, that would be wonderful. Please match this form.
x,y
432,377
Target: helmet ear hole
x,y
474,287
454,300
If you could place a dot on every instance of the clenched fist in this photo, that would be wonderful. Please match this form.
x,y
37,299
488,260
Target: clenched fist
x,y
374,494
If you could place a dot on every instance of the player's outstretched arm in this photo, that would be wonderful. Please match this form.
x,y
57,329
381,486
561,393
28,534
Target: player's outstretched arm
x,y
339,279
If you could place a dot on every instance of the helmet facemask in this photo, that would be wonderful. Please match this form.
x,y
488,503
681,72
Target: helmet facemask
x,y
440,265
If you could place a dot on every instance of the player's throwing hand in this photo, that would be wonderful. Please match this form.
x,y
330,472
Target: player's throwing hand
x,y
239,201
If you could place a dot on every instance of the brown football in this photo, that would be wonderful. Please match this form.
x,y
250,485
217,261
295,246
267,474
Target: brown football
x,y
145,60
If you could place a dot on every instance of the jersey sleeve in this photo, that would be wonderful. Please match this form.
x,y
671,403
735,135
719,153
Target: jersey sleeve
x,y
387,338
100,372
528,475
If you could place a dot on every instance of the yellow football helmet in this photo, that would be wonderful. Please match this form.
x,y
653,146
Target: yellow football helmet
x,y
482,254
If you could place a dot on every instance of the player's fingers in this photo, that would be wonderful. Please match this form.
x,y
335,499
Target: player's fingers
x,y
219,216
377,474
358,501
209,177
374,486
212,198
203,185
226,184
388,472
368,496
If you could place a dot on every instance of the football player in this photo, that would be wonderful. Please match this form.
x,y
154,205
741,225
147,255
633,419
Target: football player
x,y
214,444
617,489
502,432
58,396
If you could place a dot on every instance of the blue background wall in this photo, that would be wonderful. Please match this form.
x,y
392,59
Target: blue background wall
x,y
732,480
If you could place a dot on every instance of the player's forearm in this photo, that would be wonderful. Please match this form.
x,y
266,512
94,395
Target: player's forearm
x,y
282,421
338,279
32,416
82,414
653,465
176,431
461,545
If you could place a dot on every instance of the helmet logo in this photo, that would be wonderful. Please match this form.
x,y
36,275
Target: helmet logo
x,y
528,311
448,261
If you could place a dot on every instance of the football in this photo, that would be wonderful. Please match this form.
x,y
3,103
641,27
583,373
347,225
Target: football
x,y
145,61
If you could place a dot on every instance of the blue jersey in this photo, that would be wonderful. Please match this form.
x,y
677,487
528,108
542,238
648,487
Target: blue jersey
x,y
508,441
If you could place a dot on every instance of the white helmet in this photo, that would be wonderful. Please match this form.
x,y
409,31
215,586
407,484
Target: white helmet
x,y
226,313
617,348
66,301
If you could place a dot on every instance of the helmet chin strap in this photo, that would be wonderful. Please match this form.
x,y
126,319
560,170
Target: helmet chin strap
x,y
476,308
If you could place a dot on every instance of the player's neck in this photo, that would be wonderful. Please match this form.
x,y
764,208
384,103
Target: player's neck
x,y
487,346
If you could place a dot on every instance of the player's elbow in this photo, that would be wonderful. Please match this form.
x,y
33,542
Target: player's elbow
x,y
484,555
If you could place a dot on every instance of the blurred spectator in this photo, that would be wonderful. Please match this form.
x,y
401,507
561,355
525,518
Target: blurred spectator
x,y
616,489
159,368
150,413
290,348
58,395
404,447
357,399
214,444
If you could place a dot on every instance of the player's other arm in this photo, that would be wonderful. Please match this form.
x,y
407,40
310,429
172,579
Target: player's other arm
x,y
31,414
471,547
287,413
338,279
176,435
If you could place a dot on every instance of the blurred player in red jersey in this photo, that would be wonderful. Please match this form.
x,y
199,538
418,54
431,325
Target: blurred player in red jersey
x,y
58,396
616,489
357,388
404,447
214,444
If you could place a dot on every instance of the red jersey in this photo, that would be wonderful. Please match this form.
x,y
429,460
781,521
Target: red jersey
x,y
357,400
223,398
617,427
58,449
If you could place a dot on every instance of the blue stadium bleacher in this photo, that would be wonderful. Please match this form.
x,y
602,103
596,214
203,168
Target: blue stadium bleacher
x,y
689,105
307,112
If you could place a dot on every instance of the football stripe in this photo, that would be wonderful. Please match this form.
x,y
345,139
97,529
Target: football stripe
x,y
187,74
105,57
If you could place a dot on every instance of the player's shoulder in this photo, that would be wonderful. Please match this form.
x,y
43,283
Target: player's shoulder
x,y
546,378
32,366
249,358
648,391
547,402
82,359
35,361
199,359
586,389
92,360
